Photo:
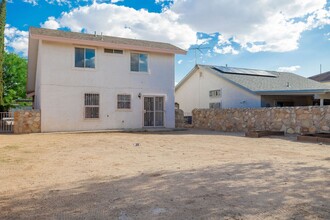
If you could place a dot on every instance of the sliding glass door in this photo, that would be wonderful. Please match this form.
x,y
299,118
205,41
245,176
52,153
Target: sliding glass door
x,y
154,111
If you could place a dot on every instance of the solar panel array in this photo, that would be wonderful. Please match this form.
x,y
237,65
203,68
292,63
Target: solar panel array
x,y
241,71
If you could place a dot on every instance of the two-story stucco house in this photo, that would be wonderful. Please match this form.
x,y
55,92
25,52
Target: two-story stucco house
x,y
207,86
95,82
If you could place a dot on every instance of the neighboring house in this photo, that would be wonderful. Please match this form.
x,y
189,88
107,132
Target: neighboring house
x,y
94,82
322,78
227,87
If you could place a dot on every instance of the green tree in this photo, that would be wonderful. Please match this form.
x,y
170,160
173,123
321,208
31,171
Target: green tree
x,y
14,77
2,45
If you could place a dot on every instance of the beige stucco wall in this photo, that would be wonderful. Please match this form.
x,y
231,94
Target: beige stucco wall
x,y
60,88
194,93
309,119
27,122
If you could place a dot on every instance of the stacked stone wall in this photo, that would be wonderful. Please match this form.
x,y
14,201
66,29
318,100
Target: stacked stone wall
x,y
27,122
291,120
179,118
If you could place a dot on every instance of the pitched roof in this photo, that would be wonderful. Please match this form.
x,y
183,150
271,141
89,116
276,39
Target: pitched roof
x,y
323,77
265,82
98,40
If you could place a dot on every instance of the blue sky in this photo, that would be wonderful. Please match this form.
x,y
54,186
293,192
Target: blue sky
x,y
273,35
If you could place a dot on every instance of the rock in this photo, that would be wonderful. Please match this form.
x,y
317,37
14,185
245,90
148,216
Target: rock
x,y
27,122
290,131
158,211
312,129
289,119
305,123
325,128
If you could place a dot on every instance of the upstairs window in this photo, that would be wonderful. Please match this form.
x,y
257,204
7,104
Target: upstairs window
x,y
215,93
84,58
139,62
92,105
123,101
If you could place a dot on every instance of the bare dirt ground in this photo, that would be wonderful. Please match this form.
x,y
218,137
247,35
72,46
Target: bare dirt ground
x,y
178,175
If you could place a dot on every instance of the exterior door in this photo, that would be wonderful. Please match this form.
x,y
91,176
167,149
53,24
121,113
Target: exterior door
x,y
154,111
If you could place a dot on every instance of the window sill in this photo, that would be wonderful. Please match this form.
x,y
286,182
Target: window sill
x,y
84,69
136,72
91,119
123,110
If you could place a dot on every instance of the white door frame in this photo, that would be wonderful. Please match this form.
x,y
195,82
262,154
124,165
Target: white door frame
x,y
164,107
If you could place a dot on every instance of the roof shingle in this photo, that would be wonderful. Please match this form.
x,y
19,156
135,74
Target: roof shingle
x,y
323,77
147,45
282,82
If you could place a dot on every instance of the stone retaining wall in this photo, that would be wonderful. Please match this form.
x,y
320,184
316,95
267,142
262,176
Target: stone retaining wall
x,y
179,118
27,122
291,120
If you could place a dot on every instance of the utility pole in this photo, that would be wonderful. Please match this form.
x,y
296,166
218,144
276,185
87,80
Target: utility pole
x,y
2,45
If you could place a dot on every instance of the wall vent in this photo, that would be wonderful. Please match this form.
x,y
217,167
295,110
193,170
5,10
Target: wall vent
x,y
114,51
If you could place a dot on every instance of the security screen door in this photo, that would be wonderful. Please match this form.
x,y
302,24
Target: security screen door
x,y
154,111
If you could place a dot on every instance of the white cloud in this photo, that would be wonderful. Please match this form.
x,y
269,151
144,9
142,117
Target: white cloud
x,y
16,39
69,2
59,2
290,69
201,41
51,23
259,25
208,53
164,3
225,50
123,21
318,19
115,1
33,2
222,40
180,61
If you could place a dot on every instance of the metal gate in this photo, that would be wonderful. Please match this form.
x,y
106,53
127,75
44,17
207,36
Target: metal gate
x,y
154,111
6,122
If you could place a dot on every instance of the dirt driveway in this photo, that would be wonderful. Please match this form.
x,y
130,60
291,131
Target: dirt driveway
x,y
179,175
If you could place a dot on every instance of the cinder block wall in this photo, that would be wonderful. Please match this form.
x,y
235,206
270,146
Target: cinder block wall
x,y
27,122
291,120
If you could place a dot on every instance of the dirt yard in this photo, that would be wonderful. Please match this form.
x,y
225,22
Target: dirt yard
x,y
178,175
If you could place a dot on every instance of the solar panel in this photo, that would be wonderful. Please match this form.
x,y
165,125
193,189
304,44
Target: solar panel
x,y
241,71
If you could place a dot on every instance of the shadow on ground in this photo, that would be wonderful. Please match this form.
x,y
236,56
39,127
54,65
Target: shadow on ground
x,y
229,191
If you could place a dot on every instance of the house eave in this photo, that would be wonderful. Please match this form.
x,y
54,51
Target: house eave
x,y
211,72
294,92
186,77
106,44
